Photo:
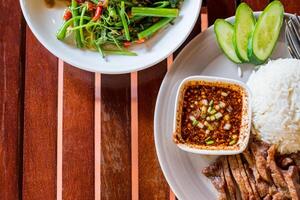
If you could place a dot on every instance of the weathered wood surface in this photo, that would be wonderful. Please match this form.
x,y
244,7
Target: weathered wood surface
x,y
115,137
11,97
32,123
40,122
78,134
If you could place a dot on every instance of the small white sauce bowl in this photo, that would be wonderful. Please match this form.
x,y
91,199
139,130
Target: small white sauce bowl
x,y
244,134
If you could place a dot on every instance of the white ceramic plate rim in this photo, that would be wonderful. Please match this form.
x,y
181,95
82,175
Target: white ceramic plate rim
x,y
106,70
165,168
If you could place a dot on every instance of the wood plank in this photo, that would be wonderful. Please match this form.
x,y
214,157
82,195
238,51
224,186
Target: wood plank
x,y
257,5
40,122
152,184
220,9
196,30
78,134
115,137
291,6
11,94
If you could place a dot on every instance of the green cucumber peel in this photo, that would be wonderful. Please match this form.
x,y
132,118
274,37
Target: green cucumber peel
x,y
224,33
243,27
266,33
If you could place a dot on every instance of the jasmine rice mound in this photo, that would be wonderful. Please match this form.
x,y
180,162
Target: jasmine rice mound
x,y
275,91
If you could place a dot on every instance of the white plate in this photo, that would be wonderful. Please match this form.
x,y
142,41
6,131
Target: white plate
x,y
44,23
201,56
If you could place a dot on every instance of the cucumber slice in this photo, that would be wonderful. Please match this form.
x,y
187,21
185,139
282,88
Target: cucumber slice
x,y
224,33
243,28
266,33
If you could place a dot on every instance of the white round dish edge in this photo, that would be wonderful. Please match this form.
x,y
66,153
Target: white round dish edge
x,y
45,22
181,169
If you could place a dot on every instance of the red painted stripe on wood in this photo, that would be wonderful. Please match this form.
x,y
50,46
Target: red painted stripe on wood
x,y
97,136
78,133
169,62
59,153
204,18
172,195
40,122
134,138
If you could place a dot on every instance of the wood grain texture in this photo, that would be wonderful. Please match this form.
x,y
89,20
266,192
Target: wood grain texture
x,y
291,6
152,184
220,9
78,134
257,5
196,30
40,122
115,137
10,96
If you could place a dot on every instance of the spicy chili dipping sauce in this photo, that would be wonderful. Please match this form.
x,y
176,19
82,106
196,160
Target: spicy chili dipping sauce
x,y
211,115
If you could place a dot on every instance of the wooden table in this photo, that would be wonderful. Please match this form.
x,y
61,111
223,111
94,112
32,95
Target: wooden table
x,y
72,134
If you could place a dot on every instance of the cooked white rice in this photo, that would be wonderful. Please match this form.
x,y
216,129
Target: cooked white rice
x,y
275,91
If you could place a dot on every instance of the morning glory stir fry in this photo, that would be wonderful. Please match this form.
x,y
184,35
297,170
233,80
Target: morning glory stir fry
x,y
111,26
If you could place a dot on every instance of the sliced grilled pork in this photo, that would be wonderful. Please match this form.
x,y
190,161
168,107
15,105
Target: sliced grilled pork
x,y
275,171
291,177
215,173
260,161
268,197
280,196
252,182
262,186
228,178
286,162
234,167
245,179
296,158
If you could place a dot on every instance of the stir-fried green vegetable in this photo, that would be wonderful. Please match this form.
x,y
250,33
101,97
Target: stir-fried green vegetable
x,y
110,26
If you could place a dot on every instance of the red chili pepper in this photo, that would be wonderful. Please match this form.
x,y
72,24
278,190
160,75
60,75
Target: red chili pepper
x,y
140,41
127,44
67,15
90,6
97,13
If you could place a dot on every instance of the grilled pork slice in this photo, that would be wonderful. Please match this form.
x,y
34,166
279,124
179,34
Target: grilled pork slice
x,y
291,177
260,160
245,179
262,186
286,162
268,197
234,166
275,171
279,196
228,178
215,173
296,158
252,182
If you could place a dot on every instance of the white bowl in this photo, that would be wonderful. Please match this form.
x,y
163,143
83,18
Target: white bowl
x,y
44,23
242,143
